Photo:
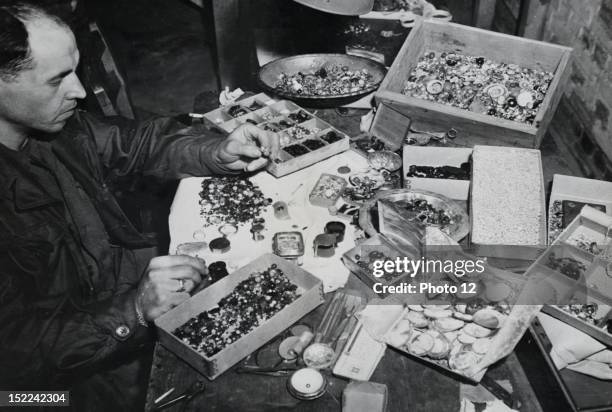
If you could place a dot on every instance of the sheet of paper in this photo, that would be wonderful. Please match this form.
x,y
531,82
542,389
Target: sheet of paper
x,y
294,189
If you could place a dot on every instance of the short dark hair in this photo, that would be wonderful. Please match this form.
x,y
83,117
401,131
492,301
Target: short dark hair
x,y
15,52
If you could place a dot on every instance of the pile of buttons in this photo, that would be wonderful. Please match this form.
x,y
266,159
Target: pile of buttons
x,y
480,85
252,302
230,200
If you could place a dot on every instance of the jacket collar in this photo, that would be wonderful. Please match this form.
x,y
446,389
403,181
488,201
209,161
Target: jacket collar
x,y
18,183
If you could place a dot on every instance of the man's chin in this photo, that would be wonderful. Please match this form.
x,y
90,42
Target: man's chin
x,y
49,130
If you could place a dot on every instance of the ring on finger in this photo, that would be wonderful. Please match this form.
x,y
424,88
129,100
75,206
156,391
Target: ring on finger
x,y
182,285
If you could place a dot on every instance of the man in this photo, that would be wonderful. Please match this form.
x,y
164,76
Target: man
x,y
75,296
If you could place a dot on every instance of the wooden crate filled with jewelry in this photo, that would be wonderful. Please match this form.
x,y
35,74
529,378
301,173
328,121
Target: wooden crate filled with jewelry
x,y
305,138
235,316
482,84
575,275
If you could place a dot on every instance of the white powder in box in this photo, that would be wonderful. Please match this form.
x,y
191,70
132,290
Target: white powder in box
x,y
507,199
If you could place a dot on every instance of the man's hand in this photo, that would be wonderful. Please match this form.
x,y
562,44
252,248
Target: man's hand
x,y
167,283
247,148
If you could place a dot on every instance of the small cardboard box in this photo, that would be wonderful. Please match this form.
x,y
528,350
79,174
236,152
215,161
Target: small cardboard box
x,y
597,193
310,288
436,157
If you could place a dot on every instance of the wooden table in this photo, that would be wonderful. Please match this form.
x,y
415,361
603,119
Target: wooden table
x,y
412,385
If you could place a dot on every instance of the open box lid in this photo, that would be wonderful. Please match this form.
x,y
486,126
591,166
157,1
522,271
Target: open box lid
x,y
394,225
390,126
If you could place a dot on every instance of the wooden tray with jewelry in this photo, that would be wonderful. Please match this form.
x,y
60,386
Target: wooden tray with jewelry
x,y
578,266
222,324
305,138
482,84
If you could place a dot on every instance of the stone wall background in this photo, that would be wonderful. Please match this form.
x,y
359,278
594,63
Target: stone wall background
x,y
583,122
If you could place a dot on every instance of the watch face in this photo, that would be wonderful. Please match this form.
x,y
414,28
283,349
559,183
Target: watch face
x,y
288,244
571,209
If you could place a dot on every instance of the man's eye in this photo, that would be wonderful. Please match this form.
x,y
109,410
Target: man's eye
x,y
55,82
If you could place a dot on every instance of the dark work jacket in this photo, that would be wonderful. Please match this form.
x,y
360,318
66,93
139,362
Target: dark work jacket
x,y
57,322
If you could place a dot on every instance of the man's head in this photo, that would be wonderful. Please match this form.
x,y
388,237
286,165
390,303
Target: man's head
x,y
38,58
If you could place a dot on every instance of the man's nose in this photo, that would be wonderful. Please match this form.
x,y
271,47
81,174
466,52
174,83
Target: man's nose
x,y
75,88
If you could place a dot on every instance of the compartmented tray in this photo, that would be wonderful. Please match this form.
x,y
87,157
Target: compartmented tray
x,y
437,157
311,296
586,295
567,197
305,138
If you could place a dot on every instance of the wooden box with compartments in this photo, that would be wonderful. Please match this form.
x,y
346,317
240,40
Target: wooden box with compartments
x,y
577,271
305,138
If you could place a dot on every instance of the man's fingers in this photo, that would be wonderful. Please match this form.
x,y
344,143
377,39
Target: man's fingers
x,y
181,285
237,148
168,261
275,144
176,272
176,298
267,141
256,164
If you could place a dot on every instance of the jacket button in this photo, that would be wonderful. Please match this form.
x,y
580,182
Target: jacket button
x,y
122,331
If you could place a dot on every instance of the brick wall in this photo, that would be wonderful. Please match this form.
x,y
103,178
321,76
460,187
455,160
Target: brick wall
x,y
583,122
584,119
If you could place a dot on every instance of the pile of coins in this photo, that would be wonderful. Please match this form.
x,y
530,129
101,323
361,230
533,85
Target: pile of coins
x,y
478,84
331,81
253,301
230,200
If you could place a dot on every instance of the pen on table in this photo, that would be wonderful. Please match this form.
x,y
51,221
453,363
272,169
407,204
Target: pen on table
x,y
348,351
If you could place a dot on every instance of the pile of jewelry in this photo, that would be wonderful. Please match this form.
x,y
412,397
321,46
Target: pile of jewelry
x,y
426,213
568,266
555,220
587,244
370,144
331,81
441,172
480,85
369,262
365,185
253,301
230,200
586,313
